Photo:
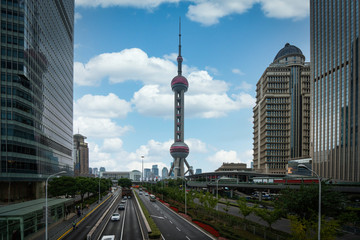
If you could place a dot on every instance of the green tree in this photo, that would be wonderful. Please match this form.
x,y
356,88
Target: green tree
x,y
63,185
243,208
303,202
304,229
227,206
83,185
125,182
269,216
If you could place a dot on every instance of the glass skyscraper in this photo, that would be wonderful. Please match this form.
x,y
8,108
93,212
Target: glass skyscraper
x,y
36,94
282,112
335,90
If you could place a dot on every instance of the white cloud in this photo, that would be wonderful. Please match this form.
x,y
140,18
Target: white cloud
x,y
206,98
296,9
113,157
237,71
208,12
231,156
97,106
129,64
99,127
244,86
123,3
77,16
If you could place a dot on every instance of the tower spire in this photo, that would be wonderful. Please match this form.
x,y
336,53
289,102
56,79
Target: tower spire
x,y
179,58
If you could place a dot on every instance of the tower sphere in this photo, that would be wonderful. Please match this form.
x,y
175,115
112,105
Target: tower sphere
x,y
179,150
179,83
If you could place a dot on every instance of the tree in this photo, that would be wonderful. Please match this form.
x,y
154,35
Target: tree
x,y
83,185
227,206
125,182
304,201
304,229
63,185
269,216
243,208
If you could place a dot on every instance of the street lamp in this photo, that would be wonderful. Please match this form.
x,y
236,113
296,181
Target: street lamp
x,y
142,171
46,202
99,186
217,187
318,177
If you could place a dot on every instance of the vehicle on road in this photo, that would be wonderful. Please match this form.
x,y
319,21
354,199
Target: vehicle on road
x,y
129,197
146,194
108,237
152,198
121,206
115,217
140,193
123,201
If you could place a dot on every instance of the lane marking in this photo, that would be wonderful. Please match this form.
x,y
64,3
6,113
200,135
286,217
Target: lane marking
x,y
187,237
156,216
171,222
178,229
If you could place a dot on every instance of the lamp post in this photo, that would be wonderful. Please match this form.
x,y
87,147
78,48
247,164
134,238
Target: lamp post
x,y
318,177
46,202
142,171
185,196
217,187
99,186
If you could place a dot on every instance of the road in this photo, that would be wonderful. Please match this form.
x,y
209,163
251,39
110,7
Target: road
x,y
128,227
171,225
85,223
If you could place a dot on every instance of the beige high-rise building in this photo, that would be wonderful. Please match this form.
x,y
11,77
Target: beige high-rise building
x,y
335,108
282,112
81,156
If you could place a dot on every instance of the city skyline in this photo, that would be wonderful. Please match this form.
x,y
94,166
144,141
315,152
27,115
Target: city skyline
x,y
124,63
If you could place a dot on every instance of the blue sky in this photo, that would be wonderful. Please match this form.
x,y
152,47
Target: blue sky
x,y
125,58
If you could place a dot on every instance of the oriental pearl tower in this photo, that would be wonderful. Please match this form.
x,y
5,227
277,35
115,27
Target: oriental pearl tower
x,y
179,150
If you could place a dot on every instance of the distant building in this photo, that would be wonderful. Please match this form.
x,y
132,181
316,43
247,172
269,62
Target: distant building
x,y
335,64
282,112
232,167
198,171
155,170
90,171
116,175
147,173
135,175
96,171
164,173
81,156
102,169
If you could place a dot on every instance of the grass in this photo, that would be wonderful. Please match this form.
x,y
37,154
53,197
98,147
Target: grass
x,y
155,231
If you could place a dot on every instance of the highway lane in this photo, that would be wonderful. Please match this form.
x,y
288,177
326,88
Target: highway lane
x,y
128,227
171,225
132,228
87,222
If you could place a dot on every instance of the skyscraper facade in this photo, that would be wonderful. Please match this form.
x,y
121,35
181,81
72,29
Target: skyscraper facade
x,y
334,26
282,112
37,39
81,156
155,170
164,173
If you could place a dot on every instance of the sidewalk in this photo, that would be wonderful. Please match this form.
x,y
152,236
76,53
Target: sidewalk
x,y
56,230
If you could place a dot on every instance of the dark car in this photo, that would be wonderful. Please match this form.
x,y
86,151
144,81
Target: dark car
x,y
121,206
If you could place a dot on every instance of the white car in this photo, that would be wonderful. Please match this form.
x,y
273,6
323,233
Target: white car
x,y
115,217
108,237
146,194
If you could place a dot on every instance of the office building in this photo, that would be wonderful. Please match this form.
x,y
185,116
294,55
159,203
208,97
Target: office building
x,y
282,112
37,41
164,173
198,171
81,156
335,64
147,173
232,167
155,170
